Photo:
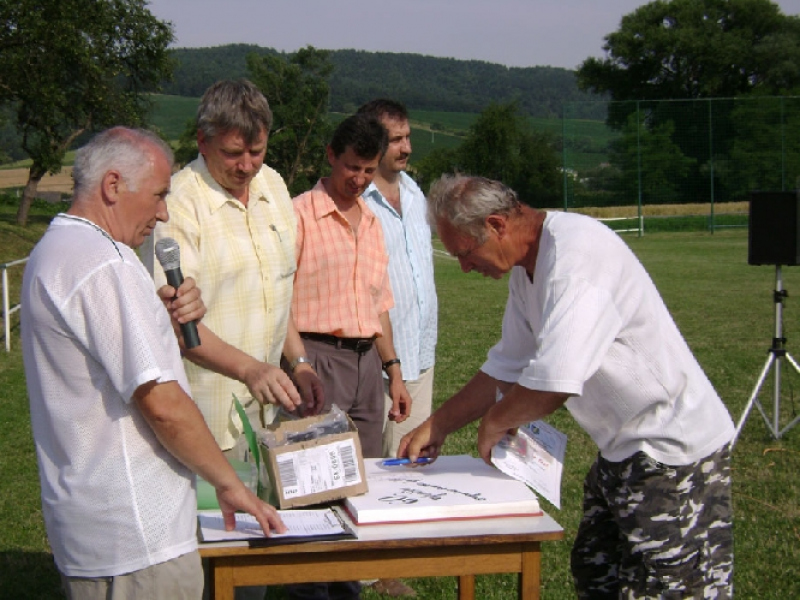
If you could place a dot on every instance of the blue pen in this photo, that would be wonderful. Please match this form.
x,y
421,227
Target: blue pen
x,y
392,462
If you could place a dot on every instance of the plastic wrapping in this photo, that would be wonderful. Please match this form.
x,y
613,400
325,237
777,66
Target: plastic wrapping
x,y
332,423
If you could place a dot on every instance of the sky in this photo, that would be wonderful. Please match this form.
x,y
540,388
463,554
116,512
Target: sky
x,y
515,33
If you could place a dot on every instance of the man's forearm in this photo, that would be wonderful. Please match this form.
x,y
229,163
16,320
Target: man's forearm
x,y
217,355
181,429
521,405
385,346
469,404
385,342
293,347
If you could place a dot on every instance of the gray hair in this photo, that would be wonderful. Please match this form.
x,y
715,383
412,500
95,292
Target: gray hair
x,y
117,149
465,202
234,105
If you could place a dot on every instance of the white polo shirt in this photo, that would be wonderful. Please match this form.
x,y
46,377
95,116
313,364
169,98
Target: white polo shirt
x,y
93,330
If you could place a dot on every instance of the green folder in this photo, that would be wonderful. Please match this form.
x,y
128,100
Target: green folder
x,y
206,495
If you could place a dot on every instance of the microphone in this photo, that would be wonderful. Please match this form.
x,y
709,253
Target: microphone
x,y
169,256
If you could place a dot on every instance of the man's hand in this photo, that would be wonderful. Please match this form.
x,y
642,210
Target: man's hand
x,y
240,498
271,385
310,388
518,406
184,304
181,429
401,400
425,440
490,433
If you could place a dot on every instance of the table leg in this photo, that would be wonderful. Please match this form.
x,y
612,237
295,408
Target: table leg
x,y
529,577
221,581
466,587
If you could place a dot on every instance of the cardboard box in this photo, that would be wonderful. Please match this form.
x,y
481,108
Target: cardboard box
x,y
314,471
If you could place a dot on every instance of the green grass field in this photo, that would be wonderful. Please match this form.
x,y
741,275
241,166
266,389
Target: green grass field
x,y
171,114
725,310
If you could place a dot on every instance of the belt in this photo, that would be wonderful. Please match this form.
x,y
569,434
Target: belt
x,y
360,345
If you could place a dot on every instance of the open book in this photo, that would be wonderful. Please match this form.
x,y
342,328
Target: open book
x,y
453,487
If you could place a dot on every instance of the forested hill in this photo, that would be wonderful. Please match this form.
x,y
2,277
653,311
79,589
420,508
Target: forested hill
x,y
421,82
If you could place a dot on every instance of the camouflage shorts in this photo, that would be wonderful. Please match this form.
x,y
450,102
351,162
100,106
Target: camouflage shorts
x,y
650,530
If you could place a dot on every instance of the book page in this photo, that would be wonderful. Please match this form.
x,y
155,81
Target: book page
x,y
300,523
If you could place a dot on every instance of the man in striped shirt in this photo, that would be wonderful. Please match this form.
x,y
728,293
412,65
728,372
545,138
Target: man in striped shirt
x,y
400,206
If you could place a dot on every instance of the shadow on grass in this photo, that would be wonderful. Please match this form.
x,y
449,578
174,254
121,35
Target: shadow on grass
x,y
29,576
13,327
33,219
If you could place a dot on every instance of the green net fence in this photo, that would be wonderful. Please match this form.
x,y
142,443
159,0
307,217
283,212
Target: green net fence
x,y
712,153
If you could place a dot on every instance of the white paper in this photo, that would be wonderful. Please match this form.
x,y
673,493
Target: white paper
x,y
300,523
534,455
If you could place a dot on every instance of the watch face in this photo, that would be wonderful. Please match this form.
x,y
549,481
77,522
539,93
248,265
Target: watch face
x,y
297,361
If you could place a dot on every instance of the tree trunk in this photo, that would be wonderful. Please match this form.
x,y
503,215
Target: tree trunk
x,y
34,177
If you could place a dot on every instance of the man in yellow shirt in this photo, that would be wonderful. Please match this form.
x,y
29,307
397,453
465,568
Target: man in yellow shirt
x,y
232,217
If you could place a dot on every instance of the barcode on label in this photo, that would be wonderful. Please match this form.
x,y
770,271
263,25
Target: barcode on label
x,y
348,458
288,476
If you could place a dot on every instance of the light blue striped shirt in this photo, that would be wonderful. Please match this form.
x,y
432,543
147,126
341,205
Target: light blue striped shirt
x,y
408,242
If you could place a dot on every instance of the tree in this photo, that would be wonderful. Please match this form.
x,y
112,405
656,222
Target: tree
x,y
298,92
501,145
436,162
70,66
649,163
10,149
683,49
690,52
424,82
765,154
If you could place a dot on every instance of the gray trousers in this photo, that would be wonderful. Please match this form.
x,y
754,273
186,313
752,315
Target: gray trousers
x,y
354,382
180,578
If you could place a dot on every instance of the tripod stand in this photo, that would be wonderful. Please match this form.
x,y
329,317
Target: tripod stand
x,y
776,355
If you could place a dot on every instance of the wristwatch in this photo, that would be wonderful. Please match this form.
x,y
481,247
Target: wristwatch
x,y
389,363
297,361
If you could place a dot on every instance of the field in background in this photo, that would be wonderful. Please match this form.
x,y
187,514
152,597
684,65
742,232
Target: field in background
x,y
429,129
18,177
662,210
725,310
172,113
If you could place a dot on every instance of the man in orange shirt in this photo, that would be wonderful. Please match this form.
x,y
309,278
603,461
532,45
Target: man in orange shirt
x,y
342,293
342,298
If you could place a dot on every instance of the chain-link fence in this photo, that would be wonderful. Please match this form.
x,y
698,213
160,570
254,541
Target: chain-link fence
x,y
708,152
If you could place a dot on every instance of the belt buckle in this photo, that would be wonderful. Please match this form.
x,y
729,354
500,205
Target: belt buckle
x,y
363,346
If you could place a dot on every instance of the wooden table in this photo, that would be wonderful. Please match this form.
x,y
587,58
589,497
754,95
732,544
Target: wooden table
x,y
444,548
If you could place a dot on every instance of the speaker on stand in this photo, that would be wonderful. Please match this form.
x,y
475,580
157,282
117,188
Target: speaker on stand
x,y
774,239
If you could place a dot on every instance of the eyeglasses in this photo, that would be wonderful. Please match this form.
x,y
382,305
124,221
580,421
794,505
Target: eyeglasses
x,y
464,255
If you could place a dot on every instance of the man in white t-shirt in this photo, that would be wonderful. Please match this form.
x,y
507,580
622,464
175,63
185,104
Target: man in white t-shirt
x,y
116,433
585,328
